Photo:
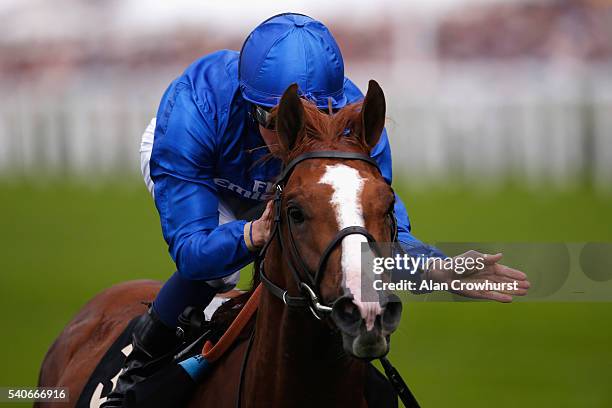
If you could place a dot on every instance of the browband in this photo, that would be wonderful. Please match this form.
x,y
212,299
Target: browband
x,y
323,154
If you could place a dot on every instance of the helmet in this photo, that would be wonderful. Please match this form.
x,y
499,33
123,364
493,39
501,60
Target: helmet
x,y
291,48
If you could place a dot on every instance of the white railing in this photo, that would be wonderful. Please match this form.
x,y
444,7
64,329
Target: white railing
x,y
461,123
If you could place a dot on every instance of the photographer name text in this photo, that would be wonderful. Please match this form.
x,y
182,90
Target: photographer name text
x,y
454,285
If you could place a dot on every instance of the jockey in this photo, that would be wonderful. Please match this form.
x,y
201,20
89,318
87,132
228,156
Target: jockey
x,y
202,160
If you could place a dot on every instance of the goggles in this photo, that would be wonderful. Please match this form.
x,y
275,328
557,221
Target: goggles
x,y
264,117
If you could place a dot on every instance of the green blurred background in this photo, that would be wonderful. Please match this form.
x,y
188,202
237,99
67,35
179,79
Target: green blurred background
x,y
64,242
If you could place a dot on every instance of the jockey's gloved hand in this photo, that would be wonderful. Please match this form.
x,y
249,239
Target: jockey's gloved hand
x,y
257,232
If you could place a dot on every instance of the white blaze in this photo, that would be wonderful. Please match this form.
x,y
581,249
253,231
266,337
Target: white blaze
x,y
346,201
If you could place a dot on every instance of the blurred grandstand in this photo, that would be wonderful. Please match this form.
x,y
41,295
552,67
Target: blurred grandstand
x,y
476,92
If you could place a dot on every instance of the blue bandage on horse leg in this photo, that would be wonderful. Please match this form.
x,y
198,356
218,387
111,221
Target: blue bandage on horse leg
x,y
178,293
195,366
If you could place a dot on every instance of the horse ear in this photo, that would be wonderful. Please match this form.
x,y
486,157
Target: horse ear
x,y
373,114
290,118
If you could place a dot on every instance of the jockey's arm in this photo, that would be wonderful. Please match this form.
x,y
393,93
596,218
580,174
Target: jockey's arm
x,y
182,167
382,154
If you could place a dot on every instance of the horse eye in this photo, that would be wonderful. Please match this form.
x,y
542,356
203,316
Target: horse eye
x,y
297,216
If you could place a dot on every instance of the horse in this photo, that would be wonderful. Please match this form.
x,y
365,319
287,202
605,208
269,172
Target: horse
x,y
314,330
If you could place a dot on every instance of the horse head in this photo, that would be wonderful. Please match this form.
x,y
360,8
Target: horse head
x,y
330,205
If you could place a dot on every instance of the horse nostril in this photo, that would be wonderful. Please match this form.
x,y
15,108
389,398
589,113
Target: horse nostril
x,y
392,315
346,315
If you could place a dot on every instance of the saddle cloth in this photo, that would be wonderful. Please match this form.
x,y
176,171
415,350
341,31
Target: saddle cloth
x,y
104,377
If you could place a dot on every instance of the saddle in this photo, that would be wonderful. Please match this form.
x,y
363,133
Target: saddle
x,y
197,327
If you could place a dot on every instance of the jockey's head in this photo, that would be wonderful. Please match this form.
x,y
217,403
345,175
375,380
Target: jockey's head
x,y
291,48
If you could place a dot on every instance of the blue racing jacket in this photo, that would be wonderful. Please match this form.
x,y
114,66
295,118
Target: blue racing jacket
x,y
208,152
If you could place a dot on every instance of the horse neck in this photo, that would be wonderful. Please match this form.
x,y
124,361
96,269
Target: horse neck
x,y
295,358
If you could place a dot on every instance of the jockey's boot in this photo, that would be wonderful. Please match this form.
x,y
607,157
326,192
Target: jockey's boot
x,y
151,339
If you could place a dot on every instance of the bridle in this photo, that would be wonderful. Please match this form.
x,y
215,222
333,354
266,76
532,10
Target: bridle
x,y
309,289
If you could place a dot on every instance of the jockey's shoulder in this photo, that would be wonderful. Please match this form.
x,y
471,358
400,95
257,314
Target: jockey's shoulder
x,y
213,78
205,92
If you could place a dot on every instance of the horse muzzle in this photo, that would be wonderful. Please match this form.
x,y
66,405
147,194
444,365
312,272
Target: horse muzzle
x,y
358,339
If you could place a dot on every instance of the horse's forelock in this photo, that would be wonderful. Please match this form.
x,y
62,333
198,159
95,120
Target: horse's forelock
x,y
329,131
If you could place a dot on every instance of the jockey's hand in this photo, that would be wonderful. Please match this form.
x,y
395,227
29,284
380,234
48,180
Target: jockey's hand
x,y
492,272
262,227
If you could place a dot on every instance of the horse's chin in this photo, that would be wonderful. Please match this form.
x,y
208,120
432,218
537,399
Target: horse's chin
x,y
365,346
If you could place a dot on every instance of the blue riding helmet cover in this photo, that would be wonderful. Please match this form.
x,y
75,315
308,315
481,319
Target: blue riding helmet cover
x,y
292,48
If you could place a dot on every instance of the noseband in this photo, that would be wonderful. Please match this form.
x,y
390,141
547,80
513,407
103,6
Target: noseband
x,y
309,289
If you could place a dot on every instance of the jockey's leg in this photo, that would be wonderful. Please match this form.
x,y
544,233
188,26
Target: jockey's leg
x,y
179,292
155,333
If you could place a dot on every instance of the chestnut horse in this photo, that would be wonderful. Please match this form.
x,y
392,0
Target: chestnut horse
x,y
330,199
